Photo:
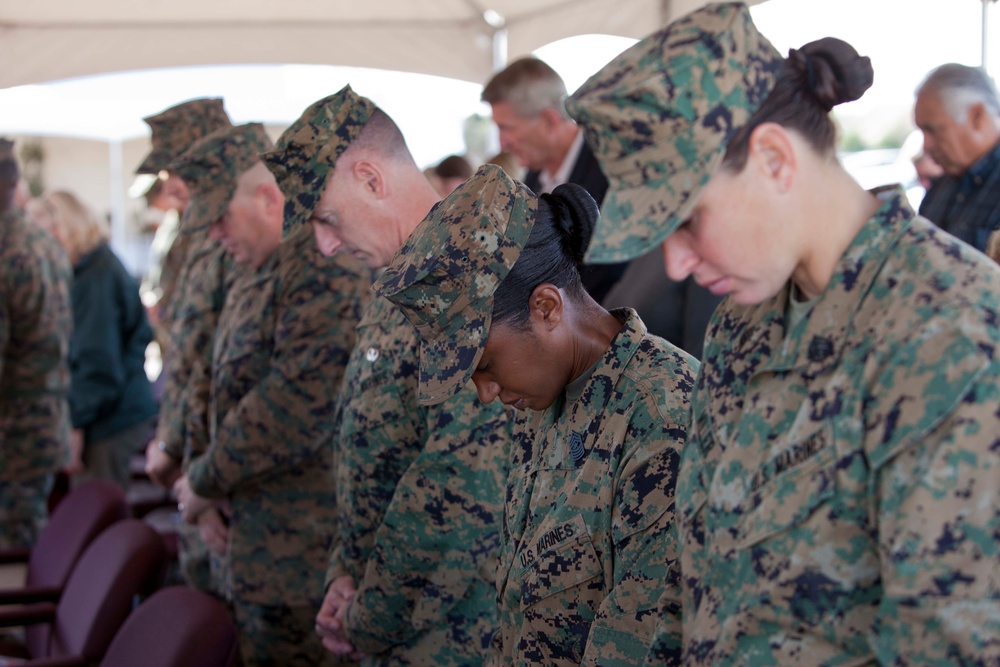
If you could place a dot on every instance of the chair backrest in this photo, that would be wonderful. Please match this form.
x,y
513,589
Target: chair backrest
x,y
176,627
126,560
82,516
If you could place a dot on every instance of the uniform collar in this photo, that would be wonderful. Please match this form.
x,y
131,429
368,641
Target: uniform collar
x,y
600,387
623,346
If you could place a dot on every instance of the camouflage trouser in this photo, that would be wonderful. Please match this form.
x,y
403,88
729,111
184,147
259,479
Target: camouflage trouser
x,y
23,510
200,568
281,637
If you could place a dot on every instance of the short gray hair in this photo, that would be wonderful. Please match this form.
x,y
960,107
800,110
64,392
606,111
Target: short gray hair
x,y
529,85
959,87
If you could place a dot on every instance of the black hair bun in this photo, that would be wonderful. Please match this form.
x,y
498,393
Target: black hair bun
x,y
832,71
575,214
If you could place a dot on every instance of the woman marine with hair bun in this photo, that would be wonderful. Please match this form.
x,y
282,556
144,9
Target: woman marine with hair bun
x,y
838,495
588,549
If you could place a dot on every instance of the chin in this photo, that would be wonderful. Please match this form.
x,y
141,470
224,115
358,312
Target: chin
x,y
751,298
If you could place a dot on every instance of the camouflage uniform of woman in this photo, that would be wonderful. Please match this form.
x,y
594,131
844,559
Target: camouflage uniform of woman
x,y
491,282
838,494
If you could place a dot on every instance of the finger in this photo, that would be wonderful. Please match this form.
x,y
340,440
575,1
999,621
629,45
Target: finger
x,y
340,646
327,621
335,645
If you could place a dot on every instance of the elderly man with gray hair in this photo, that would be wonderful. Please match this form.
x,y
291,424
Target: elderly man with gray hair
x,y
958,110
527,102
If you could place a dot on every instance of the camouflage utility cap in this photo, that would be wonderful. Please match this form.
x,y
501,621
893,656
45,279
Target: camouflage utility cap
x,y
177,128
658,118
307,151
6,149
212,167
444,276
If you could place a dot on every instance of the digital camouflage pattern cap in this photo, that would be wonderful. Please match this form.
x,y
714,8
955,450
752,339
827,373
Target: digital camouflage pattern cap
x,y
6,149
659,116
177,128
308,150
444,276
212,167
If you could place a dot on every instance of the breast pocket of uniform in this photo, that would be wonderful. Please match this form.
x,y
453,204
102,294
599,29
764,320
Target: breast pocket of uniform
x,y
790,488
243,357
562,588
374,362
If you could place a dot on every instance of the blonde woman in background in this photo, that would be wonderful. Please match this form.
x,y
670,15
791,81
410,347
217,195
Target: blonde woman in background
x,y
111,402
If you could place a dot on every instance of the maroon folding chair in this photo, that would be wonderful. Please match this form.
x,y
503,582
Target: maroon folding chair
x,y
86,512
176,627
125,561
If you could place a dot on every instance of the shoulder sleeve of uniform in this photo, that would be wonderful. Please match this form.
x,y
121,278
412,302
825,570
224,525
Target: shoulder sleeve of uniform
x,y
436,548
932,425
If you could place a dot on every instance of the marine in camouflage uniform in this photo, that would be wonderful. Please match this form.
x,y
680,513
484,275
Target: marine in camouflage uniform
x,y
589,545
36,323
419,488
190,319
284,336
838,495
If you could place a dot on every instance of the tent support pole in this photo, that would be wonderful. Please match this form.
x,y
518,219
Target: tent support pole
x,y
666,12
499,49
119,237
986,33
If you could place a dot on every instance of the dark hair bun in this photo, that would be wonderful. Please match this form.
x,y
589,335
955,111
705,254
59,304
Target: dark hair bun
x,y
574,215
832,71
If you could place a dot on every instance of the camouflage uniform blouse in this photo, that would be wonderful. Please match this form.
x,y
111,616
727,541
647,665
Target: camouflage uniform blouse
x,y
36,322
838,497
201,293
283,341
589,542
419,494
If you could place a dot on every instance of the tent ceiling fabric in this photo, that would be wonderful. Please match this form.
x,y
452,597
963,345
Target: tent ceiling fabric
x,y
48,40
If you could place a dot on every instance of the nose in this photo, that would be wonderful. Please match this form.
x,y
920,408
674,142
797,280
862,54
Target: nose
x,y
679,259
326,240
487,389
506,144
928,143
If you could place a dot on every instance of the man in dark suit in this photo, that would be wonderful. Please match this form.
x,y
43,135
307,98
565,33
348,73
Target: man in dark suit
x,y
958,110
527,102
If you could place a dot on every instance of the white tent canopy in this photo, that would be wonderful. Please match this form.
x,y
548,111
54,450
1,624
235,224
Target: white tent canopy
x,y
47,40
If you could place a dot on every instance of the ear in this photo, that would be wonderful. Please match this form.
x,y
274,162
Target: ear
x,y
546,307
977,117
551,118
772,152
271,197
371,178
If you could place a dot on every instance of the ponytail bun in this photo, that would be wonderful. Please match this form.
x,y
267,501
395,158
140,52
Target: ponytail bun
x,y
574,216
831,71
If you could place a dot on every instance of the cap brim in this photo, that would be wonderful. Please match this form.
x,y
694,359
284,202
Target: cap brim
x,y
205,209
297,213
153,163
448,362
141,184
298,183
636,219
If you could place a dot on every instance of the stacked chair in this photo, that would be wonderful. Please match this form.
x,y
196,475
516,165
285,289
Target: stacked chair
x,y
91,508
176,627
124,563
91,566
